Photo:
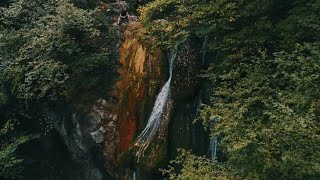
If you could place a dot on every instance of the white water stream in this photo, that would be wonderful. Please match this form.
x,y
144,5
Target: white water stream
x,y
154,122
213,147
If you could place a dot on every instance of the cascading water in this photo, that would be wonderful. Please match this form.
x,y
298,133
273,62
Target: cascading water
x,y
204,46
213,148
154,122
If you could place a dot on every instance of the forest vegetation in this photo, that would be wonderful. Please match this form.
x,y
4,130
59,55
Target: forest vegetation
x,y
263,72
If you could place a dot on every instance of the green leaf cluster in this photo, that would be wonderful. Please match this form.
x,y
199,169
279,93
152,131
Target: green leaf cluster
x,y
11,166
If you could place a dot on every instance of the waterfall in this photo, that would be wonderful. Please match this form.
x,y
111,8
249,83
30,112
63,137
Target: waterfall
x,y
214,143
213,147
204,46
135,174
154,122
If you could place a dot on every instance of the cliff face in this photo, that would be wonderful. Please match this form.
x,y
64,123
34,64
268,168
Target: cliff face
x,y
188,93
107,133
140,76
100,142
142,73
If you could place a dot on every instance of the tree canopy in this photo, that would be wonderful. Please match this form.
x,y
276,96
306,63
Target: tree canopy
x,y
51,52
265,75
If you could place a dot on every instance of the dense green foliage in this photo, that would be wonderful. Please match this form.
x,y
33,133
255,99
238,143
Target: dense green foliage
x,y
265,75
269,119
264,72
10,164
51,52
44,44
195,167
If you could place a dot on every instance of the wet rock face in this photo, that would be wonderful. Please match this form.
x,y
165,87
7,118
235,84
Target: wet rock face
x,y
141,74
187,69
182,126
188,92
79,133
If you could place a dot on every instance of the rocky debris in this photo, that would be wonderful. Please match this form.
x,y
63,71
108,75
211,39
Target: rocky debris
x,y
111,124
105,130
102,129
104,102
100,114
97,136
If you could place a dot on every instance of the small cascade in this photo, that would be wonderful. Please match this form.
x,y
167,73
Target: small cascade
x,y
154,122
135,174
198,108
204,46
78,134
213,148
